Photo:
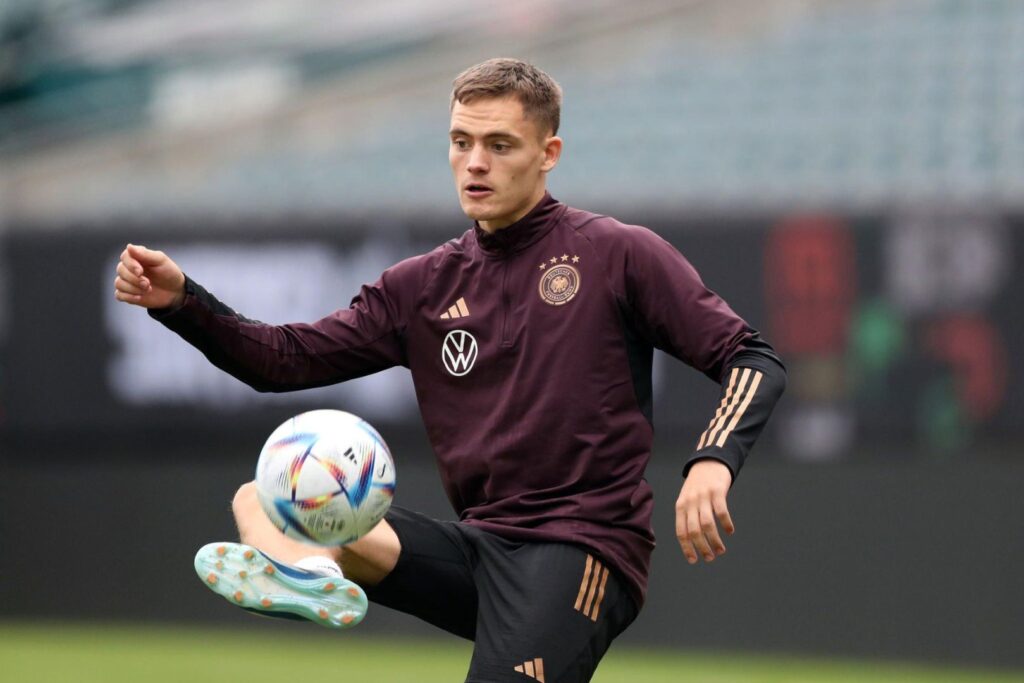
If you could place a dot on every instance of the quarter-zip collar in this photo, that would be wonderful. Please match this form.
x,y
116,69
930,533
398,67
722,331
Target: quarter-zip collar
x,y
523,232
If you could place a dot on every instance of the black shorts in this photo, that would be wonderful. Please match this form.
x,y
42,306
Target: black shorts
x,y
541,611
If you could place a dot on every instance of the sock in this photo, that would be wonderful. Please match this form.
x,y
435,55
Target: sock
x,y
318,564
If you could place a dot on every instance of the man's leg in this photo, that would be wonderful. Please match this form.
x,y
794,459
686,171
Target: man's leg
x,y
366,561
548,612
274,575
433,578
408,562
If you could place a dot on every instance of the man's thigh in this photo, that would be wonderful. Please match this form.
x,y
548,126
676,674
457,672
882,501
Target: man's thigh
x,y
546,611
433,577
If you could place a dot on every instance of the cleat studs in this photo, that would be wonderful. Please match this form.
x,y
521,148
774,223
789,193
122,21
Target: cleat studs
x,y
269,569
322,613
354,592
347,619
266,602
211,579
328,587
242,574
221,550
238,596
248,554
219,565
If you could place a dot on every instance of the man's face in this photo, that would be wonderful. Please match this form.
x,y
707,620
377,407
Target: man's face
x,y
500,160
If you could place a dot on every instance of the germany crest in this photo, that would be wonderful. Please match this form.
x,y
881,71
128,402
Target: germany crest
x,y
559,284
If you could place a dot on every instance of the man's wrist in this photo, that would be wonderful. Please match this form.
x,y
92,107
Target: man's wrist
x,y
176,304
179,299
720,456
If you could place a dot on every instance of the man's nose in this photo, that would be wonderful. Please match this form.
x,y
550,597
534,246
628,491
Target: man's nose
x,y
478,161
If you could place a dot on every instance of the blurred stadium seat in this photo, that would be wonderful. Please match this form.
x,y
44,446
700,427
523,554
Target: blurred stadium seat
x,y
849,104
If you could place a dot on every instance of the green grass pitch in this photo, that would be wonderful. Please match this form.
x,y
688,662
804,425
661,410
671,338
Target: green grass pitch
x,y
98,653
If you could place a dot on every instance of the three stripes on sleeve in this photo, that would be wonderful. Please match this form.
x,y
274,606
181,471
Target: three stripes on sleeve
x,y
742,387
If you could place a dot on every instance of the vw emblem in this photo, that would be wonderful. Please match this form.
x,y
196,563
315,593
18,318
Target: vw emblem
x,y
458,352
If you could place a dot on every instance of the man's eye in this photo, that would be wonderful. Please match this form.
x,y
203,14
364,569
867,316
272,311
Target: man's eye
x,y
501,147
460,144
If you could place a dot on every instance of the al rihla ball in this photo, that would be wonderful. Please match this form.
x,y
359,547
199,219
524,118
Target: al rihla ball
x,y
325,476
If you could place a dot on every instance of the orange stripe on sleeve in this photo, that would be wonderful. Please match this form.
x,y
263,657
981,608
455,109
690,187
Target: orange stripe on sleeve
x,y
743,408
732,406
721,407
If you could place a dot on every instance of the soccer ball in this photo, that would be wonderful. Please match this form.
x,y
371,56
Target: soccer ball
x,y
325,476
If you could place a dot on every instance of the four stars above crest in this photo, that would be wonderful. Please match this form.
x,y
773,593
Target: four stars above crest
x,y
563,258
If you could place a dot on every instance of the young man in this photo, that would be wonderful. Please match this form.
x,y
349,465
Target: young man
x,y
530,340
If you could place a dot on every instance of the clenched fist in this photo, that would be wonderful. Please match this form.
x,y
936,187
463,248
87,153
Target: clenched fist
x,y
149,279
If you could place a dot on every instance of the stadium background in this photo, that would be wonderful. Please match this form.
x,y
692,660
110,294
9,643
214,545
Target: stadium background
x,y
848,174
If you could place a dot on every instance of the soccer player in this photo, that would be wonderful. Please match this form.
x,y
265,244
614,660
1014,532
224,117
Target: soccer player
x,y
529,339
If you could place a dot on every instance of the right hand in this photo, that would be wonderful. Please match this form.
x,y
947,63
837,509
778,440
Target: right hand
x,y
148,278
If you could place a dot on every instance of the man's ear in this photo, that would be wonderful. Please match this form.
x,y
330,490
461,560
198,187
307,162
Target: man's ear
x,y
552,153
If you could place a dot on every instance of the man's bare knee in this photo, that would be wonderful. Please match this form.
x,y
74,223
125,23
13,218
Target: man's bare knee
x,y
245,499
248,512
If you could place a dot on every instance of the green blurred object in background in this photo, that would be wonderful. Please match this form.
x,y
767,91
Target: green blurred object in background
x,y
84,653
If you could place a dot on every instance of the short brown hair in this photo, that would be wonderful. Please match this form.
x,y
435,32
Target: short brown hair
x,y
539,94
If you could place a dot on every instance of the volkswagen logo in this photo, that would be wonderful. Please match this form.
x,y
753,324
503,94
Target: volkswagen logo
x,y
459,352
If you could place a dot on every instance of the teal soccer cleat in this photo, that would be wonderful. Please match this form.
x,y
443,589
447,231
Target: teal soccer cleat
x,y
246,577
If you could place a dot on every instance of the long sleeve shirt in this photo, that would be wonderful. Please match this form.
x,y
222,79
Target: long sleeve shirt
x,y
530,350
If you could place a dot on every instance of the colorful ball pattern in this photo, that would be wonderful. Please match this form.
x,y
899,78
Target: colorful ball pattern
x,y
325,476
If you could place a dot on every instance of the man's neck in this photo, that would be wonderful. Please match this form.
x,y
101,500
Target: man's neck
x,y
490,227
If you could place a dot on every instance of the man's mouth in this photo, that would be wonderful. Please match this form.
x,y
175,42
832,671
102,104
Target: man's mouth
x,y
477,190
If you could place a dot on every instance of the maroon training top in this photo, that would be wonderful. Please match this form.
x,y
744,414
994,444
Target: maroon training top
x,y
530,350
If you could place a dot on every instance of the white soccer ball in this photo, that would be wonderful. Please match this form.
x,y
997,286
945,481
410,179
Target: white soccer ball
x,y
325,476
